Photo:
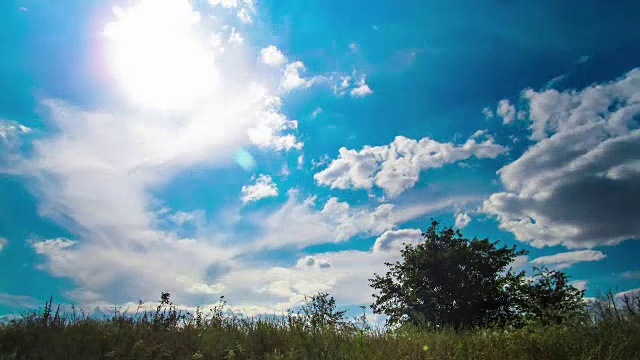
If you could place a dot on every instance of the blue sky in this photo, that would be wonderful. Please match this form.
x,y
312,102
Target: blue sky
x,y
264,150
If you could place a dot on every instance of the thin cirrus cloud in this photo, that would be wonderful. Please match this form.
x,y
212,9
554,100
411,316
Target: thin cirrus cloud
x,y
577,185
567,259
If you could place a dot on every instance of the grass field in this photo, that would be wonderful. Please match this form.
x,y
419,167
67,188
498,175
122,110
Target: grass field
x,y
165,333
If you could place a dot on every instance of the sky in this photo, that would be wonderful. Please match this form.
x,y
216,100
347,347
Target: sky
x,y
267,150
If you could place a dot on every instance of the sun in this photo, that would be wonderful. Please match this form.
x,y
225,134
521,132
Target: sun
x,y
157,56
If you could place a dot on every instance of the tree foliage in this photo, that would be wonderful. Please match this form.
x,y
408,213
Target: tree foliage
x,y
320,311
449,280
548,298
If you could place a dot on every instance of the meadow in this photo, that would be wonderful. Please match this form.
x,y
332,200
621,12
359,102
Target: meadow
x,y
612,332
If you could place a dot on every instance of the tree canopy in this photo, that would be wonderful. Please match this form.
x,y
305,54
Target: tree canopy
x,y
449,280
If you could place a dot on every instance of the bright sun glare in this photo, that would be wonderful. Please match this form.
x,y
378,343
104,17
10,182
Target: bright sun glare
x,y
156,55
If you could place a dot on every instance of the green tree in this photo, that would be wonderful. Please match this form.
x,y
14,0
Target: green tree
x,y
320,311
548,298
449,280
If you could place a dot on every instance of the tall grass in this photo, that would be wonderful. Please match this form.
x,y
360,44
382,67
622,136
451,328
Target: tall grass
x,y
166,333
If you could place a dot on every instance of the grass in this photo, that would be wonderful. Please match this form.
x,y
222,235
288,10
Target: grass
x,y
169,334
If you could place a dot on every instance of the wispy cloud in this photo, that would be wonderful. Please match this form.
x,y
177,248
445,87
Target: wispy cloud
x,y
567,259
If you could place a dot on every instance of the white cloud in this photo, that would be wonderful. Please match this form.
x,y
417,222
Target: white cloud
x,y
576,185
263,188
341,88
462,220
567,259
235,37
17,301
506,111
267,133
243,15
300,162
224,3
271,55
206,289
95,175
317,111
292,76
10,132
3,243
395,239
631,274
579,284
397,166
362,89
487,113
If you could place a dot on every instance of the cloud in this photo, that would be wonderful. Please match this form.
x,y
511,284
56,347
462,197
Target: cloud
x,y
317,111
632,292
362,89
631,274
300,162
395,239
343,274
94,173
576,186
243,15
311,262
10,133
567,259
225,3
340,89
579,284
263,188
235,37
487,113
506,111
268,132
17,301
3,243
358,89
271,55
397,166
292,76
462,220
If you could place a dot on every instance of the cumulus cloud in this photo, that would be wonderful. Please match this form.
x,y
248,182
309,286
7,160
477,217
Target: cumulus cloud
x,y
293,78
361,89
312,262
271,55
462,220
397,166
395,239
577,185
506,111
263,188
487,113
567,259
